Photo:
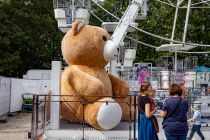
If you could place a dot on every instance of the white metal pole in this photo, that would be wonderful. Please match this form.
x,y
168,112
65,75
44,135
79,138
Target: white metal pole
x,y
175,62
175,19
186,21
113,68
55,85
120,31
173,31
72,12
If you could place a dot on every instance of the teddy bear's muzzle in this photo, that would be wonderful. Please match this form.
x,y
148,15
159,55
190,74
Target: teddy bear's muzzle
x,y
111,51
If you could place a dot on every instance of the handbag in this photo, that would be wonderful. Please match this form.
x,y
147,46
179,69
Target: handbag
x,y
154,121
169,114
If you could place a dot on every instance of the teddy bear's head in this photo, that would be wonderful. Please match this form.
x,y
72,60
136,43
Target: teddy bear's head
x,y
87,45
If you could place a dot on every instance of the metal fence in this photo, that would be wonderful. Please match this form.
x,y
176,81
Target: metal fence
x,y
41,109
41,118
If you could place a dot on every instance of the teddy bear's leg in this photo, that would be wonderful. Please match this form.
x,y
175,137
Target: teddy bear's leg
x,y
104,114
127,108
71,111
119,87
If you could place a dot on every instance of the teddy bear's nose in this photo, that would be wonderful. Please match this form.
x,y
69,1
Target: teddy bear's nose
x,y
110,51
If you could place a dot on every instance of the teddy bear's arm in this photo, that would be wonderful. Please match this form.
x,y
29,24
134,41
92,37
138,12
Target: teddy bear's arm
x,y
119,87
87,86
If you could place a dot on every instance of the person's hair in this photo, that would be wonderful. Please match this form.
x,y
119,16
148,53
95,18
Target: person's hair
x,y
197,105
175,89
144,89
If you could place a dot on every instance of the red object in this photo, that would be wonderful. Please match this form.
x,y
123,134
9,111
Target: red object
x,y
182,87
152,104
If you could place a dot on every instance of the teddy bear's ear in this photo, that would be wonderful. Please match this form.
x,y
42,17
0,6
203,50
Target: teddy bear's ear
x,y
77,25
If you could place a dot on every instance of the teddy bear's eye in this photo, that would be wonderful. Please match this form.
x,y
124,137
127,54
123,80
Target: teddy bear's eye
x,y
104,38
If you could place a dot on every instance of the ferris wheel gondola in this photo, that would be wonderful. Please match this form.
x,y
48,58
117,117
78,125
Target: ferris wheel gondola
x,y
66,11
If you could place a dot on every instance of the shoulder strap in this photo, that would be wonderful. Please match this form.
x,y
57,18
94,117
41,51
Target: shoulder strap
x,y
169,114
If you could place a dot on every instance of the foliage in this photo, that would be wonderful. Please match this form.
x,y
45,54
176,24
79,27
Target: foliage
x,y
160,22
29,37
28,34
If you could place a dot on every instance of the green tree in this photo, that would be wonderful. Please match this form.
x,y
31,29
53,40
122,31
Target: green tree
x,y
160,22
28,36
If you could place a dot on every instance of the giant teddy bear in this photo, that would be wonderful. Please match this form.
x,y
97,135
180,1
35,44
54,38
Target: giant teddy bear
x,y
85,80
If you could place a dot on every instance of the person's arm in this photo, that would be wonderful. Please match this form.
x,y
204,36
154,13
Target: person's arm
x,y
192,119
163,114
195,115
148,112
164,110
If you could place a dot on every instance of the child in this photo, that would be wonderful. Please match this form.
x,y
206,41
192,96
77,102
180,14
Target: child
x,y
196,119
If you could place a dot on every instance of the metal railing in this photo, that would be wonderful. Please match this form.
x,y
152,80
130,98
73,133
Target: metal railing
x,y
41,121
41,109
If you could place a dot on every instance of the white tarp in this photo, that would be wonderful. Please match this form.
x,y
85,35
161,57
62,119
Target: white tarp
x,y
20,86
5,85
36,74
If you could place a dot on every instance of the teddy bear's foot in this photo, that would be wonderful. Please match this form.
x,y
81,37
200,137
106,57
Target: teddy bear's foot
x,y
109,115
104,114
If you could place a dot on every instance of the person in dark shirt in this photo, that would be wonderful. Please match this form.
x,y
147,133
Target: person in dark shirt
x,y
146,129
174,112
170,66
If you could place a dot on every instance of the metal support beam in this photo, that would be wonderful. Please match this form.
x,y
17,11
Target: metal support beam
x,y
186,22
175,62
173,31
175,19
55,85
120,31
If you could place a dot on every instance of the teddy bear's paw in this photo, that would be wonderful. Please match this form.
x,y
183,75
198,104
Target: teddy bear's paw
x,y
109,115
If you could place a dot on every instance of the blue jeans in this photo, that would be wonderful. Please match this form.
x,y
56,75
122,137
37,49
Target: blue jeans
x,y
175,137
196,128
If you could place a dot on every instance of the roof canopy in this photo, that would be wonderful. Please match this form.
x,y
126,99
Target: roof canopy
x,y
175,47
110,26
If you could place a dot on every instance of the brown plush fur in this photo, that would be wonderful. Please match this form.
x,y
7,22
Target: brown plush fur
x,y
85,79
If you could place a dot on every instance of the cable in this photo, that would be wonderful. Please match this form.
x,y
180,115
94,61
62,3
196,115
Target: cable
x,y
148,45
105,10
91,12
166,3
148,33
97,17
140,42
194,7
172,5
193,52
200,2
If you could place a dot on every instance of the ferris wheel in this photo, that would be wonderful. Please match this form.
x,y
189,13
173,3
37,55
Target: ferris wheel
x,y
66,11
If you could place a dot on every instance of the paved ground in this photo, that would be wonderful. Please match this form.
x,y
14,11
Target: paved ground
x,y
18,126
205,131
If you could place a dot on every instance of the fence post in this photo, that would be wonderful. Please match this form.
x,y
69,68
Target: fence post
x,y
55,92
83,121
33,118
37,116
134,129
130,108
